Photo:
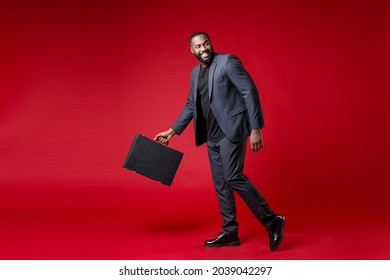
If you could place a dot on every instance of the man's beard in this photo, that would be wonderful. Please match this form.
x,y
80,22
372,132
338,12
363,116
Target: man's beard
x,y
209,59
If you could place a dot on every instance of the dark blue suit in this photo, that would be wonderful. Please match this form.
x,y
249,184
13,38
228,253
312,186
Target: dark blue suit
x,y
235,103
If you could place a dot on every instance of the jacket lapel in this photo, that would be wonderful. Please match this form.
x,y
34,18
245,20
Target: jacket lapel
x,y
211,76
196,79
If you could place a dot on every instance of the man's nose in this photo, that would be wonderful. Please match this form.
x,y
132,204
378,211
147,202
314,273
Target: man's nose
x,y
203,48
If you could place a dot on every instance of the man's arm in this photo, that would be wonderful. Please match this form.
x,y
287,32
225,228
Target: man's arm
x,y
180,124
247,88
243,82
185,116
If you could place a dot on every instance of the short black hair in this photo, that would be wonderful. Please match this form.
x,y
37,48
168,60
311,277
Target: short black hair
x,y
196,34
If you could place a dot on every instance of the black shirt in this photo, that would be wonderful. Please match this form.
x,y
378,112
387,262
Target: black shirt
x,y
214,131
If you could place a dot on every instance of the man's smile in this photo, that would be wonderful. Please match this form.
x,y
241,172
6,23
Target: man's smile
x,y
205,55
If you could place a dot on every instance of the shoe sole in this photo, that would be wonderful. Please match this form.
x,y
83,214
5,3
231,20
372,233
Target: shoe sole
x,y
233,243
280,240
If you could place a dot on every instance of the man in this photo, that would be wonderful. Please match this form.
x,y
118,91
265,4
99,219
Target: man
x,y
225,106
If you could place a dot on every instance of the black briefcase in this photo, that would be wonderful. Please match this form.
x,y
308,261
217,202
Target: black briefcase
x,y
153,160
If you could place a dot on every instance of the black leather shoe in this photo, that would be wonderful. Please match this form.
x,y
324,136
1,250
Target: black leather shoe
x,y
275,232
224,239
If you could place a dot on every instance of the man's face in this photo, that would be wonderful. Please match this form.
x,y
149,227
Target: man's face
x,y
202,48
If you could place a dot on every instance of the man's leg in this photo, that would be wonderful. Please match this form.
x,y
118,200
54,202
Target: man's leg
x,y
227,164
224,192
232,157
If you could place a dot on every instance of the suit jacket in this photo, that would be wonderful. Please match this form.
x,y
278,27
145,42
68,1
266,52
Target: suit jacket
x,y
234,100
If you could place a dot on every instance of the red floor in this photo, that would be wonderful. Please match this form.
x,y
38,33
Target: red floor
x,y
121,223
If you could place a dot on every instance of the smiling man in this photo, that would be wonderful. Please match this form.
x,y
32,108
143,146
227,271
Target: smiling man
x,y
202,49
225,106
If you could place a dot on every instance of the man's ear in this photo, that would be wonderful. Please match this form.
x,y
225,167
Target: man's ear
x,y
191,50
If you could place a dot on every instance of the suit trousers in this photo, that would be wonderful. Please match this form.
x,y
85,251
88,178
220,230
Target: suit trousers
x,y
227,164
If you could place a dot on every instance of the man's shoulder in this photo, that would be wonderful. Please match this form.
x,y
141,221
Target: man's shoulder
x,y
224,58
195,68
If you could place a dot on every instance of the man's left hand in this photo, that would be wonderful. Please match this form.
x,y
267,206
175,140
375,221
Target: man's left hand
x,y
256,140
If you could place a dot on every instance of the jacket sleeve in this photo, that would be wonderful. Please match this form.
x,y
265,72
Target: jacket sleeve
x,y
244,84
185,117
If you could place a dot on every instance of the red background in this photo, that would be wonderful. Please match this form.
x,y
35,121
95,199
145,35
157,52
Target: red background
x,y
78,80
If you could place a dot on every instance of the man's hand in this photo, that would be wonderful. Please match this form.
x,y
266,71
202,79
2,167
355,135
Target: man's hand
x,y
256,140
165,136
